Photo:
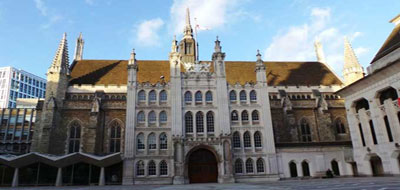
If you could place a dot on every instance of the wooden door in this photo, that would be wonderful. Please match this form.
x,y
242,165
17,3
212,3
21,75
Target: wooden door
x,y
202,167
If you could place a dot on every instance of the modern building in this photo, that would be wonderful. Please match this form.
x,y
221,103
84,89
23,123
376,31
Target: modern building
x,y
15,83
185,120
373,110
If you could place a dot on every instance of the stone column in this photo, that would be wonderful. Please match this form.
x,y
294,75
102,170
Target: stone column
x,y
15,178
128,171
102,180
179,164
59,178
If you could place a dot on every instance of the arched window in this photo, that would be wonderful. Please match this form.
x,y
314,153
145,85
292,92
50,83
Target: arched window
x,y
141,117
254,116
163,117
74,137
293,169
305,131
257,139
243,96
142,96
163,168
236,140
245,116
253,96
260,165
115,137
247,139
151,141
249,166
198,96
238,166
340,128
306,168
209,97
210,122
140,168
234,116
188,97
152,96
151,168
140,142
360,104
389,93
232,95
152,117
163,141
199,122
163,96
189,122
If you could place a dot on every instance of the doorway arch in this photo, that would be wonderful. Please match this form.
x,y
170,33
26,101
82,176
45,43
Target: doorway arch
x,y
293,169
202,166
376,166
335,167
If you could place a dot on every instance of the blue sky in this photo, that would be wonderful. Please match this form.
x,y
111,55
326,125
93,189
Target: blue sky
x,y
283,30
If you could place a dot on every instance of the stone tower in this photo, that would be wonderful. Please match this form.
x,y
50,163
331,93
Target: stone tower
x,y
79,48
48,131
352,70
187,46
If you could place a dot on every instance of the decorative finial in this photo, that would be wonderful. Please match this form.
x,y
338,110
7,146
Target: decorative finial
x,y
217,37
132,59
258,56
64,36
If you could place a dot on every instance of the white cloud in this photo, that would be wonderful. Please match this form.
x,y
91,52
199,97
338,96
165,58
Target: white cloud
x,y
147,32
361,51
41,7
297,43
89,2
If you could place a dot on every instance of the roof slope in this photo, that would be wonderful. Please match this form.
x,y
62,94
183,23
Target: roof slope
x,y
107,72
391,43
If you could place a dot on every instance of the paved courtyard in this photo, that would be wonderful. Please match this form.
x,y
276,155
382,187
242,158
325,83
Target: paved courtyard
x,y
376,183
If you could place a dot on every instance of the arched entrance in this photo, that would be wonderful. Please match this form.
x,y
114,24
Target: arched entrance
x,y
335,167
376,166
202,167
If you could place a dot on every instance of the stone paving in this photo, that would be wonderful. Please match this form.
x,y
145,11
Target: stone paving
x,y
371,183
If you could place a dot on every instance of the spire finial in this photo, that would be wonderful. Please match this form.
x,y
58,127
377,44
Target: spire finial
x,y
258,56
61,60
132,59
64,36
319,51
217,47
187,17
188,31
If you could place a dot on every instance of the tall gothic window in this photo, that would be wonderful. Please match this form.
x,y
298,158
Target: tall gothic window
x,y
152,96
232,95
163,117
151,168
115,137
257,139
189,122
74,137
234,116
140,168
163,168
210,122
209,97
163,141
140,142
199,122
253,96
163,96
260,165
388,130
188,97
247,139
238,166
141,117
371,125
236,140
152,117
243,96
151,141
245,116
254,116
340,128
305,131
361,134
142,96
249,166
198,96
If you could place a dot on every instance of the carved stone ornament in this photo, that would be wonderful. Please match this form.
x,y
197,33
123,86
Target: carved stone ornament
x,y
197,67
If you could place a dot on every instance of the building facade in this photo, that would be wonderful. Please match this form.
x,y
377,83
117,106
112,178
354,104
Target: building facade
x,y
373,111
15,83
184,120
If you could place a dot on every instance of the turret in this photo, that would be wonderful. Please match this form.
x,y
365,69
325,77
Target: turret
x,y
218,58
79,48
260,70
352,70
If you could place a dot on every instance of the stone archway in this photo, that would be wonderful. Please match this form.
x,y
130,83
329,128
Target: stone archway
x,y
376,166
202,166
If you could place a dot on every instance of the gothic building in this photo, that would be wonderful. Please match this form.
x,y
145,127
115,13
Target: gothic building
x,y
185,120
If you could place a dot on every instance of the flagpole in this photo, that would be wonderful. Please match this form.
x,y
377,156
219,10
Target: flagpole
x,y
197,43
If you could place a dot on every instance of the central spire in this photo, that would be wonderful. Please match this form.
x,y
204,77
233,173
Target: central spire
x,y
188,31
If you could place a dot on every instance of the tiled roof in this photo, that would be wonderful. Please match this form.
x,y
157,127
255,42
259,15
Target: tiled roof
x,y
391,43
109,72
